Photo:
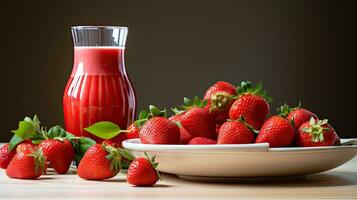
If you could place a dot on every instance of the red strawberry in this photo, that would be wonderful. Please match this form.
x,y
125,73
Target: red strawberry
x,y
252,104
219,100
24,146
220,86
133,131
26,165
317,133
117,140
277,131
297,115
202,141
142,172
185,136
159,130
235,132
99,162
6,156
195,119
59,154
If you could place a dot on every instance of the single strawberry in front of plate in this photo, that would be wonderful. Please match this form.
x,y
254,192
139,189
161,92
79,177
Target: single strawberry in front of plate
x,y
252,104
59,153
100,162
195,119
117,140
296,114
317,133
143,172
236,132
277,131
29,164
201,141
5,156
219,99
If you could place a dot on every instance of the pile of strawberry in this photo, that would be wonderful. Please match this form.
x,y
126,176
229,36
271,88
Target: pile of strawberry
x,y
234,115
33,149
226,115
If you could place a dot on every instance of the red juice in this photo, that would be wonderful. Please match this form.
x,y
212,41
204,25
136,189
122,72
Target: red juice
x,y
98,90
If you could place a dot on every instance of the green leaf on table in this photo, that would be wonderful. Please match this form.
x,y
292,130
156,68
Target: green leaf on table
x,y
15,140
104,129
81,146
26,130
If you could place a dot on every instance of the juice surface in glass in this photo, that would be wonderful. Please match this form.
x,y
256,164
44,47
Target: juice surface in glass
x,y
99,88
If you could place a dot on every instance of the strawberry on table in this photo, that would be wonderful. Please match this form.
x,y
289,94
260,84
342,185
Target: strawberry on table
x,y
236,132
101,162
29,164
201,141
59,154
143,172
277,131
317,133
117,140
297,114
195,119
252,104
5,156
219,100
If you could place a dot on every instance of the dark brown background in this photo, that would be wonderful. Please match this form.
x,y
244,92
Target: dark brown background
x,y
300,50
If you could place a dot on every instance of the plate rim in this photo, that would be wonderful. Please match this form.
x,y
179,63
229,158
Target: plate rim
x,y
134,144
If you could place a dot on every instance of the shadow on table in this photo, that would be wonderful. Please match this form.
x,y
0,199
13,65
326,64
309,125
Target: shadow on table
x,y
314,180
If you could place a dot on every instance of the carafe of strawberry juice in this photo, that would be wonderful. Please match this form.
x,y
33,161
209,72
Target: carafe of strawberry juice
x,y
98,88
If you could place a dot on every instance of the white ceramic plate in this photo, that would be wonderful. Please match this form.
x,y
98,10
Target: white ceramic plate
x,y
244,160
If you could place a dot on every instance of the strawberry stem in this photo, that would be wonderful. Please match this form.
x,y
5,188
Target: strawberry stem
x,y
153,164
316,129
246,87
39,160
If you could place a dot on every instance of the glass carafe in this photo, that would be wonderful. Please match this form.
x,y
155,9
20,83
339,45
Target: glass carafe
x,y
99,88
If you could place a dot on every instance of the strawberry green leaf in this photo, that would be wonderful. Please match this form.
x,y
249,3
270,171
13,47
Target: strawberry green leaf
x,y
56,132
154,110
187,101
246,87
143,114
126,154
80,147
26,130
15,140
35,122
104,129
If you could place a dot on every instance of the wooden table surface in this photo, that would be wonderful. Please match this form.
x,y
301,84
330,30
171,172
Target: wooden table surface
x,y
339,183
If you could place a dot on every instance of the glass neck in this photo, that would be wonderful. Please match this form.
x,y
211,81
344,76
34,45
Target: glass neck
x,y
99,36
